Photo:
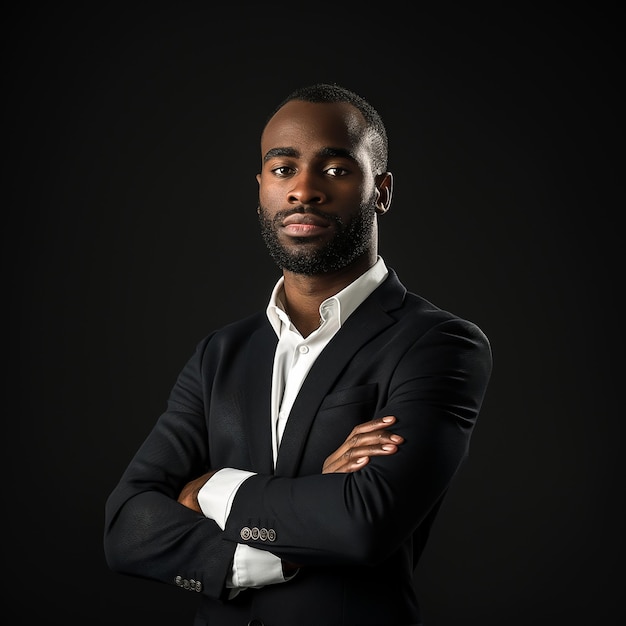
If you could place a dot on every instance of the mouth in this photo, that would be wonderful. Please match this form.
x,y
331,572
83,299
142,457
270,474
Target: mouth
x,y
304,224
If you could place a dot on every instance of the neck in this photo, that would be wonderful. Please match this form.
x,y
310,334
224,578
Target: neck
x,y
304,294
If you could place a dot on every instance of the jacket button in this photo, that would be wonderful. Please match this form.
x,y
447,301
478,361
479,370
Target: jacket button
x,y
256,622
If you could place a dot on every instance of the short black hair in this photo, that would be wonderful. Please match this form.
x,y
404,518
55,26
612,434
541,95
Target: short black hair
x,y
327,92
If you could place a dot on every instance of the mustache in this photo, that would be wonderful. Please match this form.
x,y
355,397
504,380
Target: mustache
x,y
281,215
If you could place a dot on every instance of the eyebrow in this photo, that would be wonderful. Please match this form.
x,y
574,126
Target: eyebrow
x,y
324,152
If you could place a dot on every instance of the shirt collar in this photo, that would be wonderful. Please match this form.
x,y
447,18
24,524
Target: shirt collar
x,y
342,304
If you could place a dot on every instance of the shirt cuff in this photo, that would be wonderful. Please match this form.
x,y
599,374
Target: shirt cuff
x,y
255,568
216,496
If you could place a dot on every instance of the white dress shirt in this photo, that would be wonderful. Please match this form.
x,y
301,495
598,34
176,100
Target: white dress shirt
x,y
293,359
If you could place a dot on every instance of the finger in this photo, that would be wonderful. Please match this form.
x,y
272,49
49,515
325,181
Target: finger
x,y
383,449
356,453
368,433
375,424
343,466
352,458
374,438
376,442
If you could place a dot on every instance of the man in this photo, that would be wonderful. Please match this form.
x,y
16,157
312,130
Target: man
x,y
306,449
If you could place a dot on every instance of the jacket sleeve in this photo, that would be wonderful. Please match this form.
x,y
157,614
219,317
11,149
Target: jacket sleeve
x,y
435,390
147,532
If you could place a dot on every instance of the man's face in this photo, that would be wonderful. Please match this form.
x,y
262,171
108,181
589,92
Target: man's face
x,y
317,196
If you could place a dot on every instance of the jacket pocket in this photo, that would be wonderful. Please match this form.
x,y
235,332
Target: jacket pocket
x,y
363,394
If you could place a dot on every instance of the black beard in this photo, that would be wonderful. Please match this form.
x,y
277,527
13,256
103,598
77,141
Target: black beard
x,y
350,241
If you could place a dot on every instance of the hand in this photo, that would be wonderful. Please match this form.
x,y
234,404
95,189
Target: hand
x,y
189,493
366,440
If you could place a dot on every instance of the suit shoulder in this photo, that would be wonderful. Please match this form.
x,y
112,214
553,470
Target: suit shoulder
x,y
236,331
428,315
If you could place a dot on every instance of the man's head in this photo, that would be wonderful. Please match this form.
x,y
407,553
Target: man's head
x,y
323,179
374,126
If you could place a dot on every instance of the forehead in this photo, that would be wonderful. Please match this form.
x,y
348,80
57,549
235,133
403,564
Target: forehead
x,y
310,125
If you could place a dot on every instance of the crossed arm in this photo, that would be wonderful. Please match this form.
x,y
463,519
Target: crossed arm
x,y
366,440
435,393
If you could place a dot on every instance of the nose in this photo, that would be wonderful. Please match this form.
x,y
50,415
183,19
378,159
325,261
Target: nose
x,y
307,188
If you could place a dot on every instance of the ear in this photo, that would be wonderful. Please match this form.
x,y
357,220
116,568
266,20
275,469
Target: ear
x,y
258,178
384,185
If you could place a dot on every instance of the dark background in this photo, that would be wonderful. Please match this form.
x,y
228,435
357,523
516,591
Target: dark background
x,y
129,232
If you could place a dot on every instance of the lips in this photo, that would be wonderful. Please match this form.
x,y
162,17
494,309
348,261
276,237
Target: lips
x,y
307,219
304,225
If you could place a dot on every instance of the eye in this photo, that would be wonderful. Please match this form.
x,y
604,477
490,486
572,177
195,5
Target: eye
x,y
336,171
282,171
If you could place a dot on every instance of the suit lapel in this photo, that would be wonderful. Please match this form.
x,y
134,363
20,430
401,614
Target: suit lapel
x,y
257,416
369,319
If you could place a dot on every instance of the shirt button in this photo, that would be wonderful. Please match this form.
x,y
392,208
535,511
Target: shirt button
x,y
303,349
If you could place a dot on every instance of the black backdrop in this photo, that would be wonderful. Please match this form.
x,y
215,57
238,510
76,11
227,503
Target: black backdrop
x,y
129,232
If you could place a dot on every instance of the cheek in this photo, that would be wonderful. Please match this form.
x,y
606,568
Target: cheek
x,y
368,186
269,194
367,194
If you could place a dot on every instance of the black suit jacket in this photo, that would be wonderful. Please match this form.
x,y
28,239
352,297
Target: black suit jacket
x,y
359,535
